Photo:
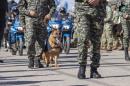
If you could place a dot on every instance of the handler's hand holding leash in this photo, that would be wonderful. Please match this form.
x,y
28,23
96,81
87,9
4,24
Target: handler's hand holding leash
x,y
47,18
94,2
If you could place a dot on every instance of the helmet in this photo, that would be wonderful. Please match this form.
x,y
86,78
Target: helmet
x,y
14,9
62,10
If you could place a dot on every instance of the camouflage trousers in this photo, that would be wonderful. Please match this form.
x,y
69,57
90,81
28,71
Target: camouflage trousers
x,y
125,27
89,29
107,36
36,35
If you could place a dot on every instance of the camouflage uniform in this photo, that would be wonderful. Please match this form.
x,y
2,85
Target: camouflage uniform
x,y
89,28
36,29
125,9
107,36
22,6
125,24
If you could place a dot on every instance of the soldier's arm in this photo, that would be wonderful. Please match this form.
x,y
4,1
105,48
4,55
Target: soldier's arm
x,y
52,6
22,3
22,6
108,14
128,10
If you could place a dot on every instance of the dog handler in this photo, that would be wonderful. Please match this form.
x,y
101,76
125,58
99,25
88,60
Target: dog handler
x,y
38,11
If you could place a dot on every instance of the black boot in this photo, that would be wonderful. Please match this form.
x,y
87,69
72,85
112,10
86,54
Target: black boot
x,y
38,63
81,72
1,61
127,58
94,73
31,62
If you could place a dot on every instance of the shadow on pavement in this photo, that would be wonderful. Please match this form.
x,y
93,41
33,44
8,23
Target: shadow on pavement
x,y
15,77
118,76
114,64
9,83
78,85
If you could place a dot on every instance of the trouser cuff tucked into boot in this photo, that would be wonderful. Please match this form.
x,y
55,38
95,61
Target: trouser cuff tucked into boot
x,y
81,72
38,63
93,72
31,61
127,58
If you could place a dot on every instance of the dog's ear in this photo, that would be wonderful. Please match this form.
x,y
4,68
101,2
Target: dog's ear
x,y
53,30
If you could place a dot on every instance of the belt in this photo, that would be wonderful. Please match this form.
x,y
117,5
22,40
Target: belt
x,y
79,0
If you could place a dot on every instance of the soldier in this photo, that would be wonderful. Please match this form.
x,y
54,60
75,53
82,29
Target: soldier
x,y
91,14
107,36
22,6
3,11
125,21
38,12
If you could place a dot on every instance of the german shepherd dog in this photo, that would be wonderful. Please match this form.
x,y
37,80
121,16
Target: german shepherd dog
x,y
52,54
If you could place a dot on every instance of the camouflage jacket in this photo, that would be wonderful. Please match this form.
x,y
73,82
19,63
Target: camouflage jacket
x,y
42,7
98,11
22,6
125,7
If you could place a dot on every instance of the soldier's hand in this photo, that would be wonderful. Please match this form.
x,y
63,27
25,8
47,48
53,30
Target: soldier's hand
x,y
32,13
94,2
126,16
47,18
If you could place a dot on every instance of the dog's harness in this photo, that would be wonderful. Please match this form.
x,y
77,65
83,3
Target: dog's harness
x,y
48,46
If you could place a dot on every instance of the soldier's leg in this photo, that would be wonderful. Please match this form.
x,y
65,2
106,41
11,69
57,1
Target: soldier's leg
x,y
109,37
23,24
41,37
126,39
104,40
31,39
120,41
83,41
95,36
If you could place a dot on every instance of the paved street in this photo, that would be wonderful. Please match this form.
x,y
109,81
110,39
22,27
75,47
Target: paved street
x,y
14,72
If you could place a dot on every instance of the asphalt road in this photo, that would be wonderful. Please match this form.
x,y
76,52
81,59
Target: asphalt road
x,y
14,71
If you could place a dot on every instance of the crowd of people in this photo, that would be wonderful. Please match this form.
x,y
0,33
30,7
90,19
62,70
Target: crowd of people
x,y
116,28
102,23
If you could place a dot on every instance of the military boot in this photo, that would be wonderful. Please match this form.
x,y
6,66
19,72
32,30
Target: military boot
x,y
81,72
1,61
94,73
31,62
127,58
38,63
